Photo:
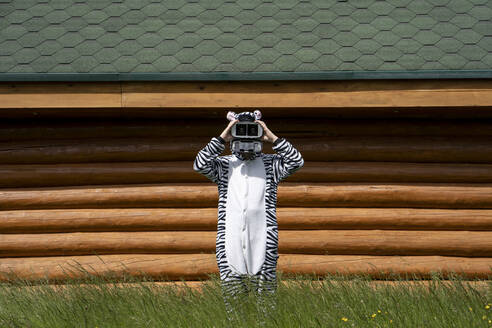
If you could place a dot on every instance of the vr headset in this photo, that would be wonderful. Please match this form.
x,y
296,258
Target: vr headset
x,y
246,133
247,130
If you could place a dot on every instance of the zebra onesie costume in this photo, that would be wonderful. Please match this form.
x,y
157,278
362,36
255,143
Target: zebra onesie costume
x,y
247,232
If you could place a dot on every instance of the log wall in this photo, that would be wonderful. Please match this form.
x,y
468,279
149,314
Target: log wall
x,y
397,176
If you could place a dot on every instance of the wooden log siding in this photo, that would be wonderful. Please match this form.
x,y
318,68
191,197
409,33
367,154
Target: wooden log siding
x,y
92,131
441,195
200,266
159,113
205,219
344,148
334,242
162,172
336,94
393,181
390,98
345,94
60,95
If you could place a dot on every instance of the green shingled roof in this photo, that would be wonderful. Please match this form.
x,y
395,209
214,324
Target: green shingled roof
x,y
138,36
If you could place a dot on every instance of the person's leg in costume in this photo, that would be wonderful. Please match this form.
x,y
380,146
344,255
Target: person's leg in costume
x,y
265,288
235,293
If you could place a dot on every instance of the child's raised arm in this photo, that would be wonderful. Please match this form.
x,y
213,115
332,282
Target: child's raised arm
x,y
287,159
206,161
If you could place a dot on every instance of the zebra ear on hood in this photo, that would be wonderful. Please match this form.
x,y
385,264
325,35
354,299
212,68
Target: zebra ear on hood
x,y
257,114
231,116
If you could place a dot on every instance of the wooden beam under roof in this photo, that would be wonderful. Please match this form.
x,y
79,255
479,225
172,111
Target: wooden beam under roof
x,y
248,94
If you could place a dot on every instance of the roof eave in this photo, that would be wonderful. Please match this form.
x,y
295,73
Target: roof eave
x,y
247,76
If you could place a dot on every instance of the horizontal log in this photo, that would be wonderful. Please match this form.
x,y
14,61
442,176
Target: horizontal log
x,y
158,113
335,242
381,242
128,219
386,195
386,266
44,175
287,127
396,149
292,218
100,150
403,93
350,148
383,93
60,95
471,196
61,113
33,175
383,218
392,172
200,266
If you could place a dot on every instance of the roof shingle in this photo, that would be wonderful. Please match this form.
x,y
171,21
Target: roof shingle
x,y
99,36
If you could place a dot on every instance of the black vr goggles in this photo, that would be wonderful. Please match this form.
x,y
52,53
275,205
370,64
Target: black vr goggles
x,y
246,133
247,130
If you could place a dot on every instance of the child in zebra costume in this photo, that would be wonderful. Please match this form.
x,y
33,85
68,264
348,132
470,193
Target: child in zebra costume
x,y
247,232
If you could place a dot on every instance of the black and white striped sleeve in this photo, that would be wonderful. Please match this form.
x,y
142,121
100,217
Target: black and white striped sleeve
x,y
206,161
286,161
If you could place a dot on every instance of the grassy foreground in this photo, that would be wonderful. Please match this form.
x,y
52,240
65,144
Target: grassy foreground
x,y
336,302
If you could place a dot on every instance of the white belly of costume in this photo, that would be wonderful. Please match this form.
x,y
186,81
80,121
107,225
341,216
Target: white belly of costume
x,y
245,232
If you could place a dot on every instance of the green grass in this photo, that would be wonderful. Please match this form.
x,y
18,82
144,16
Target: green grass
x,y
301,304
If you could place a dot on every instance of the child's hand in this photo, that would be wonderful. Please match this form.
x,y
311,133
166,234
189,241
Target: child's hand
x,y
267,134
226,134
